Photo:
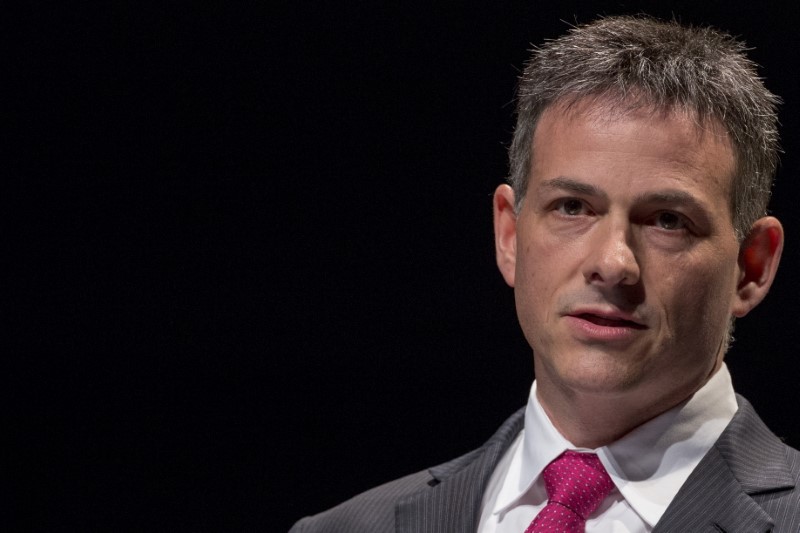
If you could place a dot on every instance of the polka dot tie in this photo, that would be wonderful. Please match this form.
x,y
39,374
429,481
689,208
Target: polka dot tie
x,y
576,483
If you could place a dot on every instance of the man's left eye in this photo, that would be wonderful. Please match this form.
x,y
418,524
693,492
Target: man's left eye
x,y
669,221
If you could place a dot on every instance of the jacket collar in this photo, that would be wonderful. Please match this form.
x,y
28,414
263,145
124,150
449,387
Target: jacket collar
x,y
453,503
747,460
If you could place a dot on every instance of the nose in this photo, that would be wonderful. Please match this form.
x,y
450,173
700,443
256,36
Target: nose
x,y
612,259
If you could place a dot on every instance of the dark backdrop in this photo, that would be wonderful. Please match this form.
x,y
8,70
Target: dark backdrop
x,y
257,270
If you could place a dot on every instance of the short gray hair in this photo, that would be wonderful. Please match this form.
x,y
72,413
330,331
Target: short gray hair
x,y
641,61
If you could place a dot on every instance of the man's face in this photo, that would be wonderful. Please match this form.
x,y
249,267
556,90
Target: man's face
x,y
626,261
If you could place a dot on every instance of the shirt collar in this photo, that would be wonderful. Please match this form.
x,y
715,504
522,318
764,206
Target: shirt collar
x,y
648,465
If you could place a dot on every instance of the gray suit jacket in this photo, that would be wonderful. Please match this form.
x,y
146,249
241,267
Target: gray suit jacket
x,y
748,482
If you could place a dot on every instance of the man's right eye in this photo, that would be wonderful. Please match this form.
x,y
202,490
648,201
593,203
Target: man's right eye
x,y
570,206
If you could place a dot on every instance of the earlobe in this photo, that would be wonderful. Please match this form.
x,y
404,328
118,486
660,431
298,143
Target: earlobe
x,y
505,232
759,256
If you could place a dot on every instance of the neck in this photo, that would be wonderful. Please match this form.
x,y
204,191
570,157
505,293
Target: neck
x,y
592,422
591,419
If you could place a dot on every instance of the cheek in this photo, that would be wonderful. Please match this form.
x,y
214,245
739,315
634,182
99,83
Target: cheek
x,y
699,292
539,269
542,272
528,286
533,288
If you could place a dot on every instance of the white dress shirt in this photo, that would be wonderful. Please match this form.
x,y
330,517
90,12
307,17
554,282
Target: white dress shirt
x,y
648,465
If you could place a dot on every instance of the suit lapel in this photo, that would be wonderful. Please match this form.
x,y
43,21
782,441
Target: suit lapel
x,y
720,495
712,499
453,503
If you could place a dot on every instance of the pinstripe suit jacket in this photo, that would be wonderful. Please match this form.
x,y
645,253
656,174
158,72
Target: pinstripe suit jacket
x,y
748,482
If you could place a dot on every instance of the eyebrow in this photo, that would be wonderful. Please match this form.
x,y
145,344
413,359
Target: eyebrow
x,y
572,185
670,197
674,197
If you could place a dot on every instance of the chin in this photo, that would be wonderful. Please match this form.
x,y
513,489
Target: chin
x,y
601,375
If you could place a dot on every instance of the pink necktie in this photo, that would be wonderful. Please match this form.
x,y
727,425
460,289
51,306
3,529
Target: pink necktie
x,y
576,483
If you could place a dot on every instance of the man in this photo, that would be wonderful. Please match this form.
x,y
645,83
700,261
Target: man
x,y
634,233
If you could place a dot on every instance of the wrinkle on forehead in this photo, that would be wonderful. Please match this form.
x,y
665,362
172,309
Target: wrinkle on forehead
x,y
605,108
602,111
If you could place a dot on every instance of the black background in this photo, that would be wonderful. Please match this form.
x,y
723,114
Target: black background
x,y
256,270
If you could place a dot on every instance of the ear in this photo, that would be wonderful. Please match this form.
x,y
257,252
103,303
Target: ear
x,y
759,256
505,232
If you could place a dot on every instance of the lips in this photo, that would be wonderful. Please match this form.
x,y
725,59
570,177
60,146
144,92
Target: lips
x,y
604,326
609,321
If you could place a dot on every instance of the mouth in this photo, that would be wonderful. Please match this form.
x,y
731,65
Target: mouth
x,y
608,321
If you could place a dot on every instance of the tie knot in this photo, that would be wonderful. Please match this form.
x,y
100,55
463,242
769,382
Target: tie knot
x,y
577,481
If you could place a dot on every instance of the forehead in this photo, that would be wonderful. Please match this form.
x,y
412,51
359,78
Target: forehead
x,y
598,136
